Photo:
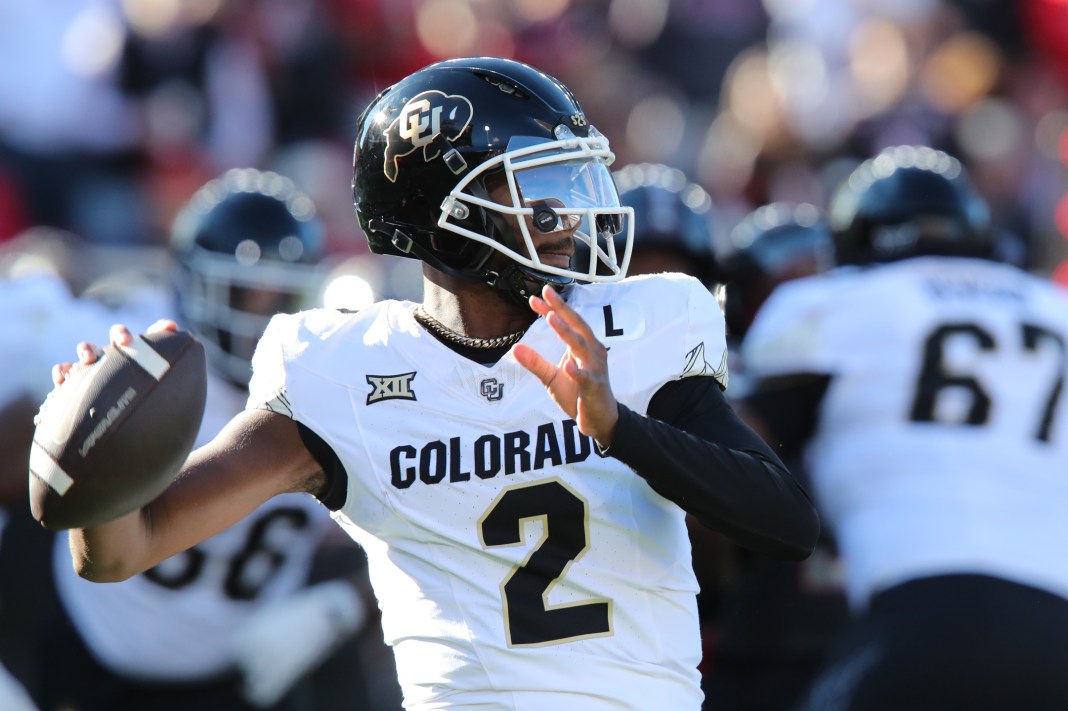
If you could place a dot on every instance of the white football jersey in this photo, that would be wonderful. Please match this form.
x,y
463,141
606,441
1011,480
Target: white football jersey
x,y
43,324
942,441
516,567
176,621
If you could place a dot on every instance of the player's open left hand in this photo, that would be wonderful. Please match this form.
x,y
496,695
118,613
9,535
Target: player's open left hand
x,y
579,382
88,353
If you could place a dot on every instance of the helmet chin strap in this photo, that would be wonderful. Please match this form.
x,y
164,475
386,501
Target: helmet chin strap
x,y
515,280
521,282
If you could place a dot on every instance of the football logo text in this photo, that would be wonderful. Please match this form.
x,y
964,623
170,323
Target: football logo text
x,y
102,427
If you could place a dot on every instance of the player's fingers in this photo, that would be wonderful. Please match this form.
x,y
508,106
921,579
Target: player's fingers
x,y
568,314
120,335
88,353
59,372
581,342
164,324
530,359
538,305
568,325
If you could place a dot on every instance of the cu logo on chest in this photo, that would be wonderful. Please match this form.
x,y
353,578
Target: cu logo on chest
x,y
491,389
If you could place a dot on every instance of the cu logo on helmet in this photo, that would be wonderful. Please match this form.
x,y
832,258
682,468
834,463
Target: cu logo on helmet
x,y
429,120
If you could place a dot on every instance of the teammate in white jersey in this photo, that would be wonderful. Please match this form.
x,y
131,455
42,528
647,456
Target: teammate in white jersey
x,y
41,315
517,453
924,382
230,623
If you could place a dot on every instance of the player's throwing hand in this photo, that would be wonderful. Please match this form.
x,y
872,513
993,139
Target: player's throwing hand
x,y
579,382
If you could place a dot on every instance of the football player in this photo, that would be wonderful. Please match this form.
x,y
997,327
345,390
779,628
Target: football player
x,y
923,382
41,315
229,623
518,452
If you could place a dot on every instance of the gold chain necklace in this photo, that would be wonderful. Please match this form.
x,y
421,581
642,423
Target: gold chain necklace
x,y
448,334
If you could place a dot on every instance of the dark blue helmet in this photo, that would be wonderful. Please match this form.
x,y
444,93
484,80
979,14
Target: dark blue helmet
x,y
772,244
671,214
909,201
246,244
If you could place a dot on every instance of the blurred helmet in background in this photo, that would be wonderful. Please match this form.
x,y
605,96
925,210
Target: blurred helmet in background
x,y
673,217
909,201
772,244
246,246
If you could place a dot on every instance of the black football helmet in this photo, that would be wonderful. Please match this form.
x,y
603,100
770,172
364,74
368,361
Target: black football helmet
x,y
772,244
247,245
671,214
432,148
909,201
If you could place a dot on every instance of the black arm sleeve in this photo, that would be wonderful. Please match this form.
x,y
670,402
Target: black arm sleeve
x,y
788,408
694,450
337,482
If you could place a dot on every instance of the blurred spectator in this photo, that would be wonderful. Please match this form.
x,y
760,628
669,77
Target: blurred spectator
x,y
68,133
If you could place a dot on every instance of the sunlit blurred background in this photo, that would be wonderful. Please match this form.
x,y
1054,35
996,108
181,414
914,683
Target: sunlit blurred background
x,y
112,112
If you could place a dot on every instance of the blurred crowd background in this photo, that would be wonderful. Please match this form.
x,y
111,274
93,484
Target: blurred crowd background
x,y
112,112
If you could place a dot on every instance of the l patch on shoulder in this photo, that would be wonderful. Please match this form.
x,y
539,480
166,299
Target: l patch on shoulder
x,y
390,387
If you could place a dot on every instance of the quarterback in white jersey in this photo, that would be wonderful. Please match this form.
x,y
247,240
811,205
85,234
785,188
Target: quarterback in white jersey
x,y
923,382
517,453
495,530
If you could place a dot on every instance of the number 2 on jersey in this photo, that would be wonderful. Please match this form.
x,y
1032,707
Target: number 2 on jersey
x,y
936,376
529,620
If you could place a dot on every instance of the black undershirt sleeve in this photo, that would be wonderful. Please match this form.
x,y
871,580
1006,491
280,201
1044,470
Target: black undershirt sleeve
x,y
694,450
333,494
787,408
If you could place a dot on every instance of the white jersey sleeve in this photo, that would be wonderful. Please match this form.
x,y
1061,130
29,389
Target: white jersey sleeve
x,y
792,332
671,325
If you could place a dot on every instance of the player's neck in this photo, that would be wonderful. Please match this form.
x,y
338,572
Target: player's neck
x,y
472,310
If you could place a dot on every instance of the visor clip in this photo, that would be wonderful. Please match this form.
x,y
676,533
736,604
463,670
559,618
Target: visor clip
x,y
454,161
402,242
455,209
452,158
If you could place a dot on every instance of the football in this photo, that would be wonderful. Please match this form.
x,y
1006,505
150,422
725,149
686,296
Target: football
x,y
115,433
